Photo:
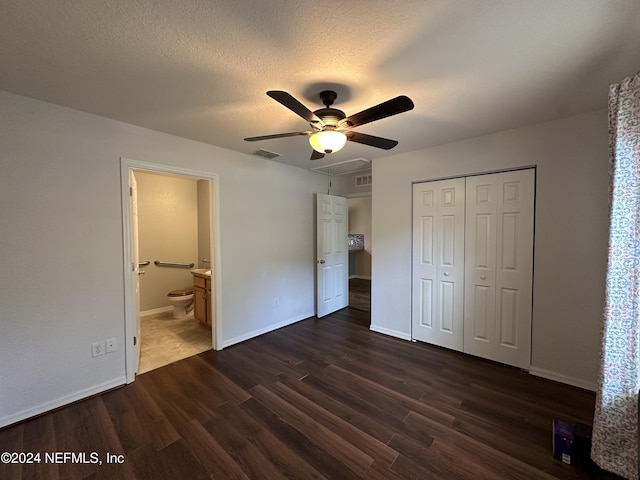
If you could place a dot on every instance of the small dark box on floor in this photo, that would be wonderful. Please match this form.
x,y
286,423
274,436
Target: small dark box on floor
x,y
582,445
562,440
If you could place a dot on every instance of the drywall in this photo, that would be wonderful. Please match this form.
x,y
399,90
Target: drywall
x,y
570,233
62,280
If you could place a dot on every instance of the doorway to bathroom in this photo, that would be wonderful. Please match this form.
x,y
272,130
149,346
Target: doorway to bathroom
x,y
170,229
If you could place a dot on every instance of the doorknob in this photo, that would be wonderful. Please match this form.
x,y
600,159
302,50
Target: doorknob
x,y
320,261
141,272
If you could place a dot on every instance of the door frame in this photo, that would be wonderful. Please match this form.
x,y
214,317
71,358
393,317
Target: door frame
x,y
130,318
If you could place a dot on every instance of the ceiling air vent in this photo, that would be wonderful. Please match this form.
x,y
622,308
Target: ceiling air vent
x,y
363,180
266,154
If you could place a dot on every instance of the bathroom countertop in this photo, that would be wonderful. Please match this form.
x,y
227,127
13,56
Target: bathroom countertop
x,y
201,272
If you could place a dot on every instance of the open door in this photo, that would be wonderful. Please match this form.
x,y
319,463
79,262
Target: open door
x,y
135,269
332,254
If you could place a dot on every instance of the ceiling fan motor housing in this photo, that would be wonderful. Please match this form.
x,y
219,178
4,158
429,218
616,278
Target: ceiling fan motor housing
x,y
330,116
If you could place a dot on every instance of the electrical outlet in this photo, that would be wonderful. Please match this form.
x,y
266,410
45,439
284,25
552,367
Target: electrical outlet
x,y
112,346
97,349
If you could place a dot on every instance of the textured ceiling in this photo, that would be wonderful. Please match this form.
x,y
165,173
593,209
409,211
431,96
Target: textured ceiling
x,y
200,68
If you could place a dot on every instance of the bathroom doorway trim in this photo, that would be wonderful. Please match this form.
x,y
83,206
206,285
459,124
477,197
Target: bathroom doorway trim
x,y
128,165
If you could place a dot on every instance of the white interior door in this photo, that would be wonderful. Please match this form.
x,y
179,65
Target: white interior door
x,y
438,262
332,255
499,266
135,270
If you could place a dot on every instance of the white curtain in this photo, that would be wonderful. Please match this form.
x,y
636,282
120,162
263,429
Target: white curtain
x,y
615,429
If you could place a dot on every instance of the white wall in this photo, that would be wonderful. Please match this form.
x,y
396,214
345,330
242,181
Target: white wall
x,y
61,248
570,233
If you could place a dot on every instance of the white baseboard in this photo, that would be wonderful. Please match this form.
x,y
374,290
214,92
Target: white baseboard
x,y
262,331
61,402
558,377
391,333
156,311
538,372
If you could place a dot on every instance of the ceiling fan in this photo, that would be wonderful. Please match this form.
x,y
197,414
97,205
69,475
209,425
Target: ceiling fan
x,y
331,128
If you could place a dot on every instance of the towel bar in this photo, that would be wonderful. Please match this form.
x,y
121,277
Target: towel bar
x,y
171,264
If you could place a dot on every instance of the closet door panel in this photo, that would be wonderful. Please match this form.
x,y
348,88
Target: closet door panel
x,y
514,273
438,263
424,261
499,263
480,258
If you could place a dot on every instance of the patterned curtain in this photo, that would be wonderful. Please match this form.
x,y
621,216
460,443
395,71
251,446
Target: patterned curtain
x,y
615,432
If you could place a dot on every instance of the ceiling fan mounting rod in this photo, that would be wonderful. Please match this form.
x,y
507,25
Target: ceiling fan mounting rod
x,y
328,97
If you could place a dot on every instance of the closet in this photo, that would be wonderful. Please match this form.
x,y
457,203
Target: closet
x,y
472,266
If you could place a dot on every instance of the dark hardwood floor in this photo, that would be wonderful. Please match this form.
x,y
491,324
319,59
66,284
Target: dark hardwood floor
x,y
319,399
360,294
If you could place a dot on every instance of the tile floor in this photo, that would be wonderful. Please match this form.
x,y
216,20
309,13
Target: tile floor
x,y
166,340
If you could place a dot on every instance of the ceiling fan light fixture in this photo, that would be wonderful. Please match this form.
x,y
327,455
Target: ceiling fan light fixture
x,y
327,141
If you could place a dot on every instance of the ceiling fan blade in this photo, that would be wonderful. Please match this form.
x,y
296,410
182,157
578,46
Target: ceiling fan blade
x,y
276,135
315,155
294,105
374,141
391,107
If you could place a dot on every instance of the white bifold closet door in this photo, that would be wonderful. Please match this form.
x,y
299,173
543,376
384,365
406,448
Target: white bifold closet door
x,y
494,309
438,262
499,267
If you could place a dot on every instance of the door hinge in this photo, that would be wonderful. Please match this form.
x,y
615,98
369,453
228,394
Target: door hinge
x,y
135,341
131,191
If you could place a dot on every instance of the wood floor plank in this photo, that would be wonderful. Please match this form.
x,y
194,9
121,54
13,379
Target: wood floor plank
x,y
83,429
321,398
211,454
363,421
504,465
173,394
242,450
340,449
353,435
301,443
148,422
270,446
173,462
126,421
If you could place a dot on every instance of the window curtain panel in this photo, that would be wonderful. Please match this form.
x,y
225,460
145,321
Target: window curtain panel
x,y
615,429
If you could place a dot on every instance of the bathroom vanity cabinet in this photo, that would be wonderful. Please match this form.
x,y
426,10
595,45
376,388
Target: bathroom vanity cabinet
x,y
201,299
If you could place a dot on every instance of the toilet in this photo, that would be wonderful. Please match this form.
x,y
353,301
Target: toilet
x,y
182,301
